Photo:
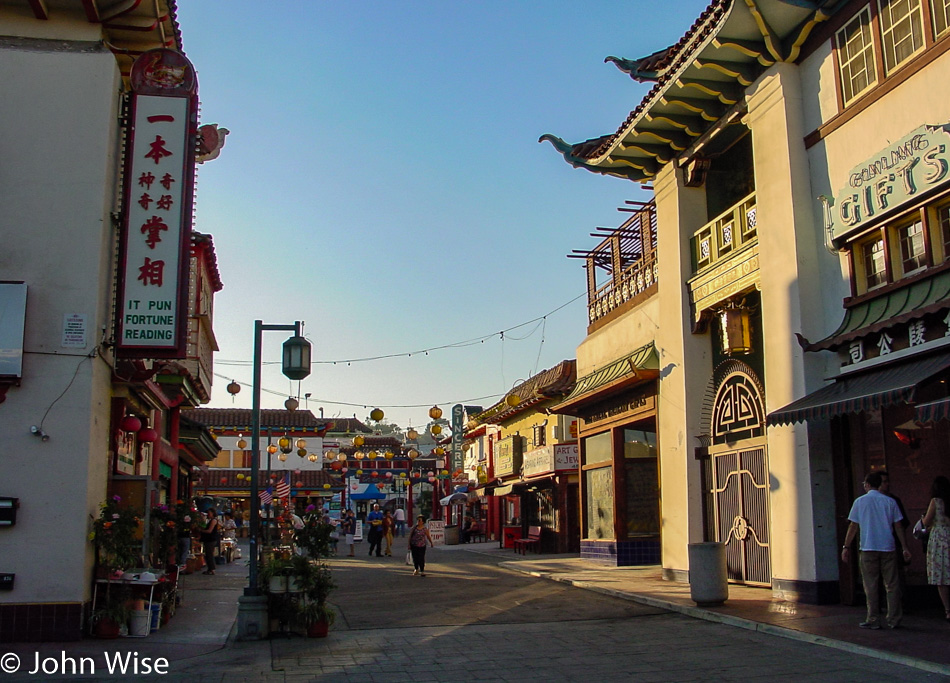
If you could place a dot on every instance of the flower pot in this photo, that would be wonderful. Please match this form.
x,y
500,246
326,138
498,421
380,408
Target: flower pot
x,y
277,584
318,629
106,628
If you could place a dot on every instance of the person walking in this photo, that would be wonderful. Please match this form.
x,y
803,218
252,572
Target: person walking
x,y
348,529
418,538
388,525
375,534
938,544
400,517
875,518
210,538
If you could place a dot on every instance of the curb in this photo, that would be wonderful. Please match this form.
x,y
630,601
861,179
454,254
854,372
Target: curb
x,y
739,622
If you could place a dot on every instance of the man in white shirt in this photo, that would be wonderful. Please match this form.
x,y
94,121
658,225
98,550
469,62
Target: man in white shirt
x,y
400,517
876,517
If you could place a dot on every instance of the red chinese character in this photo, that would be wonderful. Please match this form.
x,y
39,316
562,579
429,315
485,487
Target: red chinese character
x,y
157,150
146,179
152,272
164,202
153,228
167,181
145,200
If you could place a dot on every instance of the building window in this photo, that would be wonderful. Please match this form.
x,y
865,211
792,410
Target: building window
x,y
940,11
856,56
913,252
875,265
539,436
902,31
943,221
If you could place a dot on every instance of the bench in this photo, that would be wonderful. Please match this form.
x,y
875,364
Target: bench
x,y
532,539
476,534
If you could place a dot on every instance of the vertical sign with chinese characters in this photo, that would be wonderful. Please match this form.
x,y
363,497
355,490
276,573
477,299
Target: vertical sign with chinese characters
x,y
157,206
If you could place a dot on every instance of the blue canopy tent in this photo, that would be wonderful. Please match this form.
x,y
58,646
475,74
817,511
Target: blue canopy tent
x,y
370,493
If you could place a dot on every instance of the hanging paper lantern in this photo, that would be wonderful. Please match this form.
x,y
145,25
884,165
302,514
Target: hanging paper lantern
x,y
130,423
272,449
298,484
376,414
326,486
435,412
224,480
413,454
430,473
234,388
388,455
431,480
435,429
341,457
291,404
336,466
359,455
389,475
412,434
242,444
148,435
301,443
417,474
512,400
380,486
312,457
402,475
302,452
282,457
438,450
359,473
444,473
344,470
372,455
374,474
297,472
358,440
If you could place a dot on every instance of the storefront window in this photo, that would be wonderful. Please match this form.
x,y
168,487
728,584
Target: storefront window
x,y
599,496
641,477
597,448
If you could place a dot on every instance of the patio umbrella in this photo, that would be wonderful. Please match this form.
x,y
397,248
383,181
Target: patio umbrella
x,y
456,498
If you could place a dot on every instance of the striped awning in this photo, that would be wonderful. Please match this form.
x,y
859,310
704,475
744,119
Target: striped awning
x,y
933,411
888,385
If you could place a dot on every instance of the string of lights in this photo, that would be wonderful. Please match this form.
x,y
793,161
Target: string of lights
x,y
502,335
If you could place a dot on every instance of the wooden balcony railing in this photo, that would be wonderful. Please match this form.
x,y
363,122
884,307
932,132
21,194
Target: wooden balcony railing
x,y
725,234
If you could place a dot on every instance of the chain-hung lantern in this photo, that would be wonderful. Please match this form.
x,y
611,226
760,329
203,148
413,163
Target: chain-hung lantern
x,y
412,434
735,325
296,358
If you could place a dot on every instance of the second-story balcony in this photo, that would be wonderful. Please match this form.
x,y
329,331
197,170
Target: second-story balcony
x,y
725,234
622,270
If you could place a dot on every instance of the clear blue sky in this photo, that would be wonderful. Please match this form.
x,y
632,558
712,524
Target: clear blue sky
x,y
383,183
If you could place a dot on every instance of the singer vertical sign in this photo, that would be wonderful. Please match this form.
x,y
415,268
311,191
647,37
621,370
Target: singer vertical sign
x,y
157,206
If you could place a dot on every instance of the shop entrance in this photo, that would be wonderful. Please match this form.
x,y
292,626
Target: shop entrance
x,y
737,476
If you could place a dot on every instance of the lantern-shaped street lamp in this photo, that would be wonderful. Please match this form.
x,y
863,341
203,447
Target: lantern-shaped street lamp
x,y
296,357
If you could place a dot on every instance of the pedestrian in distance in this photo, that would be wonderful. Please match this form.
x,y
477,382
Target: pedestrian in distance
x,y
400,517
348,529
938,543
388,524
418,538
375,534
876,519
210,538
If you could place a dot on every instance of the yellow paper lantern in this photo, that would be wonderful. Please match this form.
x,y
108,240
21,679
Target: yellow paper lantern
x,y
388,455
435,429
358,440
412,434
372,455
376,414
326,486
312,457
341,457
512,400
242,444
413,454
438,450
435,412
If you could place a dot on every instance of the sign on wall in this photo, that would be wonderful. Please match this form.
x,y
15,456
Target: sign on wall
x,y
895,176
157,207
508,456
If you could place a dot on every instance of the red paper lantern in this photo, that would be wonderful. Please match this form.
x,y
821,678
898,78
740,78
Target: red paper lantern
x,y
224,480
298,484
148,435
130,423
374,474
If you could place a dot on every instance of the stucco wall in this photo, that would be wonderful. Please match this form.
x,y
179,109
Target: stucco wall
x,y
57,186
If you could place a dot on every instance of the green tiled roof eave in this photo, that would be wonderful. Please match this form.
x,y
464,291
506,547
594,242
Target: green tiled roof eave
x,y
644,358
901,305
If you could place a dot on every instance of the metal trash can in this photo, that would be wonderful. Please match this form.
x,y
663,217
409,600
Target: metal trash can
x,y
708,579
452,534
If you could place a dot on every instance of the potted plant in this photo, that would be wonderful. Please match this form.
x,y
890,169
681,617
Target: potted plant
x,y
273,574
109,617
314,536
316,583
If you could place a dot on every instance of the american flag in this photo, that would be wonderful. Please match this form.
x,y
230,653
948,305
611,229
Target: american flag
x,y
266,496
283,487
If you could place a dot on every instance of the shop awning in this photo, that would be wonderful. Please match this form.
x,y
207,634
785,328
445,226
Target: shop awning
x,y
503,490
640,366
884,386
933,411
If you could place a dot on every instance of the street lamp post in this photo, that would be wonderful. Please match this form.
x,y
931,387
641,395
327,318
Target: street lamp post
x,y
295,365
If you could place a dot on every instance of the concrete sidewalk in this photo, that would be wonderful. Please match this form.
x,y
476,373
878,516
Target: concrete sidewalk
x,y
921,642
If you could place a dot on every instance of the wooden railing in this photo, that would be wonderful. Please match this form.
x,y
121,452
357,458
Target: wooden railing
x,y
723,235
